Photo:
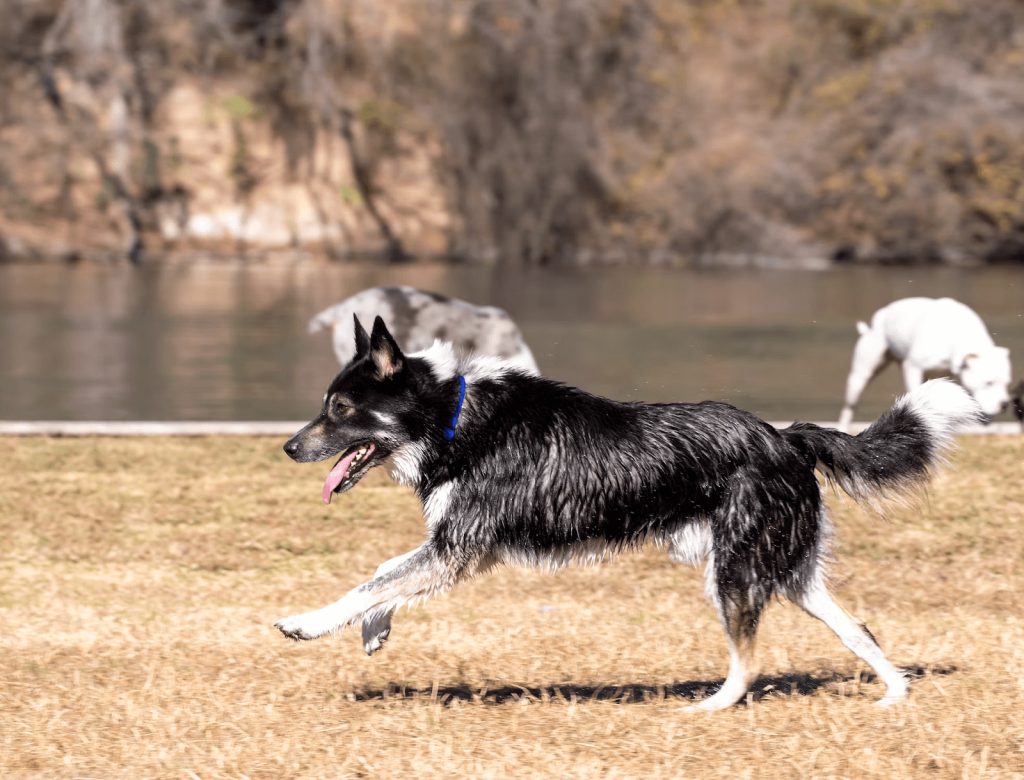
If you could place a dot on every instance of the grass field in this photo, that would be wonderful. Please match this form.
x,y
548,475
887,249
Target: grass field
x,y
140,578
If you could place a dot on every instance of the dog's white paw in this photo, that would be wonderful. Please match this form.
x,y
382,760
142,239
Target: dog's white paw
x,y
892,701
297,627
708,705
692,710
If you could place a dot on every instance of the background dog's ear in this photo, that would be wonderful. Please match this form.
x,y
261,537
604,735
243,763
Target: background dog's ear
x,y
384,351
362,338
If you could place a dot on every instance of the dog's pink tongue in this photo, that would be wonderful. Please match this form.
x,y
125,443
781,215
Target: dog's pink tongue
x,y
337,474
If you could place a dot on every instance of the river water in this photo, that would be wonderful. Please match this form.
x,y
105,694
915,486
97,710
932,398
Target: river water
x,y
228,341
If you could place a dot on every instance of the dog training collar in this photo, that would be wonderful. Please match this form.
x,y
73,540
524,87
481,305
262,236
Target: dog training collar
x,y
449,432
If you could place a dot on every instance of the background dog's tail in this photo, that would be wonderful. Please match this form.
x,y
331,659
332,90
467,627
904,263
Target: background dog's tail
x,y
329,316
893,458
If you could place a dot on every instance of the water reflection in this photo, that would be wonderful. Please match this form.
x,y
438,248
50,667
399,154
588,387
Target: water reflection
x,y
228,341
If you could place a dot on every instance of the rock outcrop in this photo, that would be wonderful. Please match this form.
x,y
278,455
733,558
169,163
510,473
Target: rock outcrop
x,y
780,133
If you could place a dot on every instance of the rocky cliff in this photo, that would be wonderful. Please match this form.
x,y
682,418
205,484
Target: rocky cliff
x,y
771,133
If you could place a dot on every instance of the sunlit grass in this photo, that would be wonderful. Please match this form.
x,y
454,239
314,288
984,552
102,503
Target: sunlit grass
x,y
140,578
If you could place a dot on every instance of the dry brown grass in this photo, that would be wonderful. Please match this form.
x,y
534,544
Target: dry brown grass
x,y
139,580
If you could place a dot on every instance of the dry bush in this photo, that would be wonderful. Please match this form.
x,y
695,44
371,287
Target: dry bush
x,y
139,580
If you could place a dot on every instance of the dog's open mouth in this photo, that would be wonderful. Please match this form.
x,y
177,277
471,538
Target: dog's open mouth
x,y
350,468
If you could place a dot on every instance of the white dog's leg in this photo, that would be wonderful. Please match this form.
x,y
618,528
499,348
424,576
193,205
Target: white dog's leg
x,y
854,634
913,377
405,579
870,356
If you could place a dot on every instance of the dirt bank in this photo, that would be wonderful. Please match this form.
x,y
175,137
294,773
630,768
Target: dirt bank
x,y
780,133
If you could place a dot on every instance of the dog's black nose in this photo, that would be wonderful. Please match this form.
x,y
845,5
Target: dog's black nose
x,y
291,448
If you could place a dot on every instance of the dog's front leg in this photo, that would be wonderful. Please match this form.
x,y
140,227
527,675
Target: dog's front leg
x,y
405,579
377,627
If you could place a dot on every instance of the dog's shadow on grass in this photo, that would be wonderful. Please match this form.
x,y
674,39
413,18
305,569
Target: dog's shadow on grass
x,y
795,684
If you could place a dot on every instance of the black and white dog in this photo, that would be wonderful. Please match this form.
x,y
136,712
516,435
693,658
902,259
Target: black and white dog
x,y
513,468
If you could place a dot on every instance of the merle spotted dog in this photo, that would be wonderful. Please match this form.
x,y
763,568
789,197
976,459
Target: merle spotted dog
x,y
419,317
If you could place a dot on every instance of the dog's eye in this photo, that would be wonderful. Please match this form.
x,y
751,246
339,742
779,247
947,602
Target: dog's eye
x,y
339,406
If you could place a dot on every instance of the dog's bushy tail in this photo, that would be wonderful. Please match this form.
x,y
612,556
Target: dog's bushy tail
x,y
329,316
893,458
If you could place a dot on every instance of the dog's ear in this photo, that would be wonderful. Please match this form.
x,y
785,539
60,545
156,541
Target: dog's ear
x,y
362,338
384,351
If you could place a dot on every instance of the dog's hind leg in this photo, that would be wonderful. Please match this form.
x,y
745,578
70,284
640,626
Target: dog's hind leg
x,y
413,576
740,629
739,612
853,633
913,376
870,356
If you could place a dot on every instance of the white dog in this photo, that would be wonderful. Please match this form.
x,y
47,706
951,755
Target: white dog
x,y
417,317
928,336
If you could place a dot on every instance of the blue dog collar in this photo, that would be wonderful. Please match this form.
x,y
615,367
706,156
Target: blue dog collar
x,y
449,432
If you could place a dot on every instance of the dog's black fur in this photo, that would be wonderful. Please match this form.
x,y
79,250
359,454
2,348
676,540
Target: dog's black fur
x,y
540,472
1017,398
